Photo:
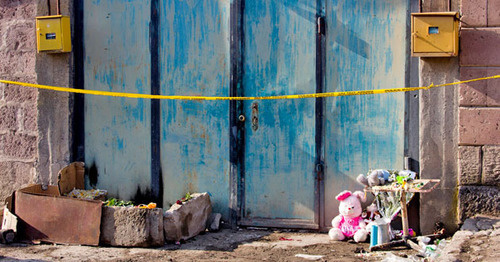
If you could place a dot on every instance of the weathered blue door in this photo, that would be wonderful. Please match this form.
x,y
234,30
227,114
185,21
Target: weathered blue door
x,y
279,59
117,130
296,155
366,48
192,53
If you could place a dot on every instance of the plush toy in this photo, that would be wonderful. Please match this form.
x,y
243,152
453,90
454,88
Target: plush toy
x,y
349,222
371,214
404,175
374,178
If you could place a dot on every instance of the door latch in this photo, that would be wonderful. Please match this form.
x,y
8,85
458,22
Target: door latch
x,y
320,171
255,116
321,25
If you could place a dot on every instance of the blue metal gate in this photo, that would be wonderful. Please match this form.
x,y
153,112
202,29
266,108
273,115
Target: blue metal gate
x,y
269,162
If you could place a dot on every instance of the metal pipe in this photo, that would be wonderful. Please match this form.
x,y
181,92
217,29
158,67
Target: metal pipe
x,y
58,7
48,6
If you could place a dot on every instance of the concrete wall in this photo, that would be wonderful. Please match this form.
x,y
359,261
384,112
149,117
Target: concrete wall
x,y
54,114
479,109
34,125
18,105
438,142
438,133
460,125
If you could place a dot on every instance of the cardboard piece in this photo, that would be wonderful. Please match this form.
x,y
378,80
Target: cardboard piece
x,y
71,177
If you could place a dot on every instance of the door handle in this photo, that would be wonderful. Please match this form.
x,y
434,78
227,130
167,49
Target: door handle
x,y
255,116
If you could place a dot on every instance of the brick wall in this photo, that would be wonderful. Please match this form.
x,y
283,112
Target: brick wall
x,y
479,109
18,106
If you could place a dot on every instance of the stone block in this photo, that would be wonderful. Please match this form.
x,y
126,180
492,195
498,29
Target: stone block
x,y
474,200
2,87
479,126
18,9
474,13
469,225
485,222
20,93
17,65
479,93
213,222
469,163
20,37
29,118
19,145
491,165
185,221
8,117
479,47
14,175
493,13
131,227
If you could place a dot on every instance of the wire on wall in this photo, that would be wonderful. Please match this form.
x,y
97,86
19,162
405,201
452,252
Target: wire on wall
x,y
48,6
58,7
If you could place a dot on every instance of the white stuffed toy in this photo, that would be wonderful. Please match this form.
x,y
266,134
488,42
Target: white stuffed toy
x,y
374,178
349,222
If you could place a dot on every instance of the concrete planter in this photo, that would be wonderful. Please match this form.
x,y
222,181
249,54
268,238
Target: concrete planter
x,y
131,227
185,221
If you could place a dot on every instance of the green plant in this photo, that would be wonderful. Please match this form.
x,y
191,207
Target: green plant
x,y
187,197
118,202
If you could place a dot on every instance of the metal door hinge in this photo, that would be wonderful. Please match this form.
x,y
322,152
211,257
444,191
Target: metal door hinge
x,y
320,22
320,168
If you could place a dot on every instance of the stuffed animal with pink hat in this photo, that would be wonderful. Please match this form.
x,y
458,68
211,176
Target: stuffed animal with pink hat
x,y
349,223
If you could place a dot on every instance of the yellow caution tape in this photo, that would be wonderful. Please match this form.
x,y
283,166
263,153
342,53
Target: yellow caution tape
x,y
316,95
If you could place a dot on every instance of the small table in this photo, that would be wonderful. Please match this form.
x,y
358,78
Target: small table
x,y
414,186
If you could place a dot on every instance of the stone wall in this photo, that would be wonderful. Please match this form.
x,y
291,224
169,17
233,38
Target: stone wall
x,y
479,109
34,125
18,105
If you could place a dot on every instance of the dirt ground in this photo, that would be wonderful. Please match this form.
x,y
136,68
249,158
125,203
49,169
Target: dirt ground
x,y
225,245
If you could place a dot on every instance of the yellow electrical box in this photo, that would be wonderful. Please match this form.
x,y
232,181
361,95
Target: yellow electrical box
x,y
434,34
53,34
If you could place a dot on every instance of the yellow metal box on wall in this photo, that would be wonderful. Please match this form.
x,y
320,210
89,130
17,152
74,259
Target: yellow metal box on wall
x,y
53,34
434,34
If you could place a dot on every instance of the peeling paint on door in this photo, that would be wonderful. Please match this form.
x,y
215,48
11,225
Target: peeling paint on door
x,y
194,55
366,43
117,130
280,39
365,49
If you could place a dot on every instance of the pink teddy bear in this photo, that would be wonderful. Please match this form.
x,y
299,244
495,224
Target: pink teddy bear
x,y
349,222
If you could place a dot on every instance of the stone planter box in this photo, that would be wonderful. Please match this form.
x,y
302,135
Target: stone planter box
x,y
131,227
185,221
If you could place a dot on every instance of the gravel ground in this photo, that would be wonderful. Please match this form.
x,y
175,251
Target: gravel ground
x,y
478,240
